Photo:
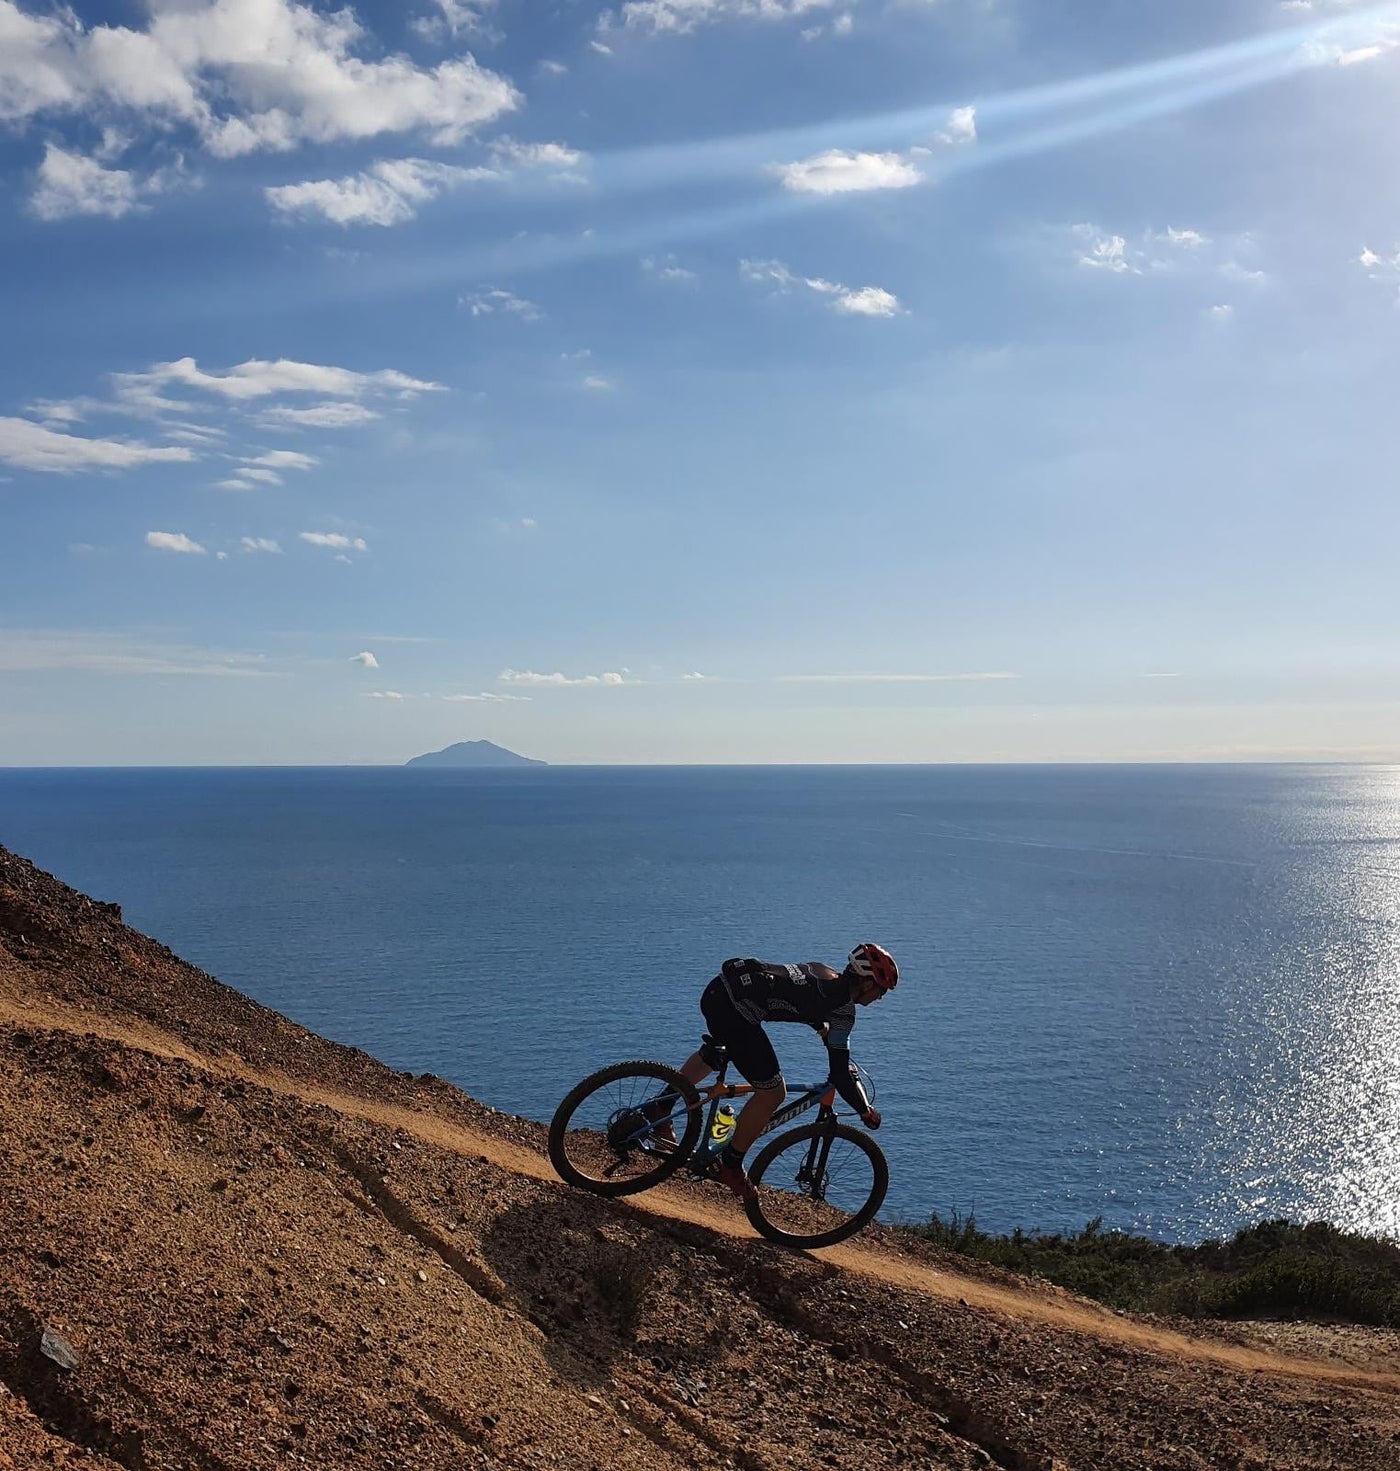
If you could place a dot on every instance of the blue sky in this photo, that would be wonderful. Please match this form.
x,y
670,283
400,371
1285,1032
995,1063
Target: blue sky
x,y
699,380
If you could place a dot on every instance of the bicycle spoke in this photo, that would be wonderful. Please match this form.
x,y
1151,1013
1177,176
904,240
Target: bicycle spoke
x,y
818,1185
604,1138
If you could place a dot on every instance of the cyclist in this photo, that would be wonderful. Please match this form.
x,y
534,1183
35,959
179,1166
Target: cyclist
x,y
747,993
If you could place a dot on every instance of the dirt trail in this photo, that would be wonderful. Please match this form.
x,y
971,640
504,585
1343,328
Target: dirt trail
x,y
1032,1304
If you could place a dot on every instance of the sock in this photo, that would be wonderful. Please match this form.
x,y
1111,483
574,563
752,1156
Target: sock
x,y
731,1156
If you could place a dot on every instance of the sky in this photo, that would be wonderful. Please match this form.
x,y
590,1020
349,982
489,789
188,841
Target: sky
x,y
699,380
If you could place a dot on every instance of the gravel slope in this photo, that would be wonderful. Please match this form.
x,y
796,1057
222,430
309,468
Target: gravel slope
x,y
264,1249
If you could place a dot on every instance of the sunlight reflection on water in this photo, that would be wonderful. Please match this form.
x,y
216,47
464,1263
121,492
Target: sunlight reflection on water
x,y
1308,1108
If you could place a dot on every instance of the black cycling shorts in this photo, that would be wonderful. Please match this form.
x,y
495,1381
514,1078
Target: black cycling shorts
x,y
746,1042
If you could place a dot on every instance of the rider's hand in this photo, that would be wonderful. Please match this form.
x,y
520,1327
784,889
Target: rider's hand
x,y
871,1118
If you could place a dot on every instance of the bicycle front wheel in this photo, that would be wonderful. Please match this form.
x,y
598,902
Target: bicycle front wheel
x,y
603,1135
817,1185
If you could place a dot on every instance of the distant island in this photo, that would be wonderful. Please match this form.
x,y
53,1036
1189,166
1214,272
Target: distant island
x,y
473,753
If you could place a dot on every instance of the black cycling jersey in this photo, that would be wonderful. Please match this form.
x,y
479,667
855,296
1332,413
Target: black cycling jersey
x,y
807,992
761,991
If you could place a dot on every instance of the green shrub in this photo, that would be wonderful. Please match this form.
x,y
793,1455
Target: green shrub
x,y
1272,1269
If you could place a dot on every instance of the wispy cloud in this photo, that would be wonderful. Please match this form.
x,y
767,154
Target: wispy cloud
x,y
23,650
256,379
529,677
683,16
365,660
32,446
390,192
454,18
667,268
264,469
1384,269
487,698
1174,251
318,416
514,154
857,301
257,544
893,678
334,539
498,300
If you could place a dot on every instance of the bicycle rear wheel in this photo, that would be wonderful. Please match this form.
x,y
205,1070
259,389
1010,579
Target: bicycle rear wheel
x,y
817,1185
603,1139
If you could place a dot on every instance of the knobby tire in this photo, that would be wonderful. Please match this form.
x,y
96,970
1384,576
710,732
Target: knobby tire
x,y
666,1078
798,1139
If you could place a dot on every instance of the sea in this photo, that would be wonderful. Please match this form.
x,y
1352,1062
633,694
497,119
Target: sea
x,y
1167,997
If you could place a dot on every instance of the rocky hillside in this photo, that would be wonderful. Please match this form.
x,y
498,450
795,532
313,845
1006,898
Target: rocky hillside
x,y
227,1244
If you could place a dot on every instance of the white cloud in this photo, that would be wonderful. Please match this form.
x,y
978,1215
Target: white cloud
x,y
596,383
319,416
454,18
284,459
259,379
961,127
35,447
242,75
867,301
260,477
553,68
334,539
70,184
387,193
1105,252
384,695
529,677
684,16
860,301
1382,268
173,541
536,155
694,675
489,698
839,172
257,544
365,660
487,303
108,653
1173,251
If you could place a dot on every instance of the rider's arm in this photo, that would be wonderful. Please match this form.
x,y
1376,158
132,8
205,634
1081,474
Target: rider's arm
x,y
843,1076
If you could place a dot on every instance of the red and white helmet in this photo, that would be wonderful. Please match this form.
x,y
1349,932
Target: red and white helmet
x,y
874,964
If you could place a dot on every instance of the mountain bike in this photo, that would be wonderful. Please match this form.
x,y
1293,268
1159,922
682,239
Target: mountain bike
x,y
817,1184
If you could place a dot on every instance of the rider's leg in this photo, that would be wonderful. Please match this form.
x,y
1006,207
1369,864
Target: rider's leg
x,y
754,1116
695,1069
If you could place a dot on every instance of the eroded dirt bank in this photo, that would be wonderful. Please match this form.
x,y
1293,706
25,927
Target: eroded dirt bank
x,y
264,1249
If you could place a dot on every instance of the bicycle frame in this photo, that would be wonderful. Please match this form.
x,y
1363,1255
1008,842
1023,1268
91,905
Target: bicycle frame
x,y
706,1149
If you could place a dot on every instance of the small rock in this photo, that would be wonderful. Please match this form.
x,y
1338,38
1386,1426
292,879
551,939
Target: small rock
x,y
55,1346
422,1276
594,1401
